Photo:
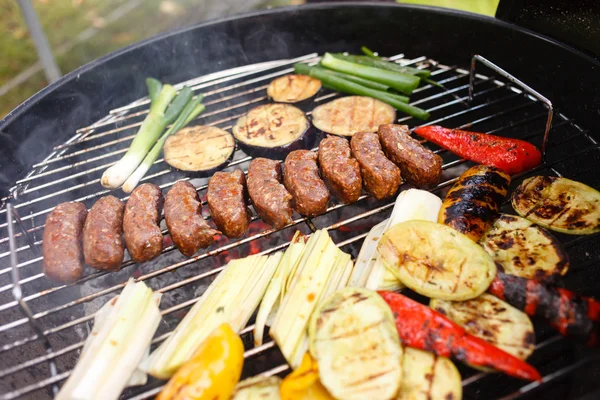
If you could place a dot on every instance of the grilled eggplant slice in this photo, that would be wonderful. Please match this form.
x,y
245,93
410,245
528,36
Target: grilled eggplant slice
x,y
473,202
354,340
524,249
559,204
273,130
436,261
348,115
293,88
492,320
199,148
258,388
426,376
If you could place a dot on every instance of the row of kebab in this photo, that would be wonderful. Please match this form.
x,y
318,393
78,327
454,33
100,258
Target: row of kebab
x,y
337,322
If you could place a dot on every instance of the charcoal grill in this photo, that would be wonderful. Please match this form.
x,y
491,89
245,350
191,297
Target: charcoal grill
x,y
43,325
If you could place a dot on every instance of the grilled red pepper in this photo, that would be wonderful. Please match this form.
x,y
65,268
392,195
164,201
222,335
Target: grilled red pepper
x,y
423,328
570,314
511,155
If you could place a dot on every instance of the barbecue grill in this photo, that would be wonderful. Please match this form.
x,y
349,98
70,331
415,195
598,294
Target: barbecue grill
x,y
58,143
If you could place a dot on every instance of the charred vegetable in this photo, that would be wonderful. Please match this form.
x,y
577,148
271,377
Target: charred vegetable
x,y
423,328
212,372
427,376
293,88
436,261
353,339
271,128
258,388
349,115
570,314
199,148
510,155
524,249
473,202
492,320
304,383
559,204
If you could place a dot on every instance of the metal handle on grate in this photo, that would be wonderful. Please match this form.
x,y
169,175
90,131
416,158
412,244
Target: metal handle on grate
x,y
517,82
11,216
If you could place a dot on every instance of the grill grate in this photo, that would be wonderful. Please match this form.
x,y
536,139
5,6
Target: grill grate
x,y
35,358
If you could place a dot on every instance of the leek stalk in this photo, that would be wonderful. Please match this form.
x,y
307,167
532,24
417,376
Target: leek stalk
x,y
191,111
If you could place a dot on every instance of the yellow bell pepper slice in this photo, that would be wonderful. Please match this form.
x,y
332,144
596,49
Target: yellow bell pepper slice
x,y
213,371
304,383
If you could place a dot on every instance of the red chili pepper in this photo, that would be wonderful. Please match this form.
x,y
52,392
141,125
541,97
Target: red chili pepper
x,y
570,314
423,328
511,155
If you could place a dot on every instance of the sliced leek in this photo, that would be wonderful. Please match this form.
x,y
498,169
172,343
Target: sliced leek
x,y
120,339
231,298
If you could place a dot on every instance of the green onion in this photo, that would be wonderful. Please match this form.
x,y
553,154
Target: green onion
x,y
154,87
338,84
368,52
191,111
403,83
383,64
361,81
154,124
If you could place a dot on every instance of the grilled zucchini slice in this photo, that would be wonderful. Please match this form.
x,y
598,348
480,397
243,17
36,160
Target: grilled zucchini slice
x,y
524,249
492,320
437,261
426,376
258,388
293,88
353,337
559,204
348,115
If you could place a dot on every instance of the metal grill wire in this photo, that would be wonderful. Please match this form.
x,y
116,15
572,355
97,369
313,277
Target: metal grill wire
x,y
72,172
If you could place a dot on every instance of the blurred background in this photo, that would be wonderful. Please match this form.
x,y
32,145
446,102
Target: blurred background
x,y
79,31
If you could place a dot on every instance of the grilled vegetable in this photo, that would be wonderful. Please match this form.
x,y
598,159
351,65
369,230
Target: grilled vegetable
x,y
524,249
353,339
189,112
380,63
492,320
273,129
411,204
426,376
309,283
559,204
473,202
232,297
349,84
258,388
423,328
404,83
349,115
212,372
293,88
303,383
199,148
436,261
513,156
154,124
570,314
123,330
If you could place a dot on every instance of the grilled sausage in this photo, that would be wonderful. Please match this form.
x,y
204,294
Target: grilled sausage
x,y
301,178
227,202
340,171
183,214
272,201
62,250
381,177
103,246
472,203
143,237
418,165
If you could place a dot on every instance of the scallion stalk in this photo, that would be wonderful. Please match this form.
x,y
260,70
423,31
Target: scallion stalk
x,y
378,62
154,87
363,82
191,111
342,85
368,52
